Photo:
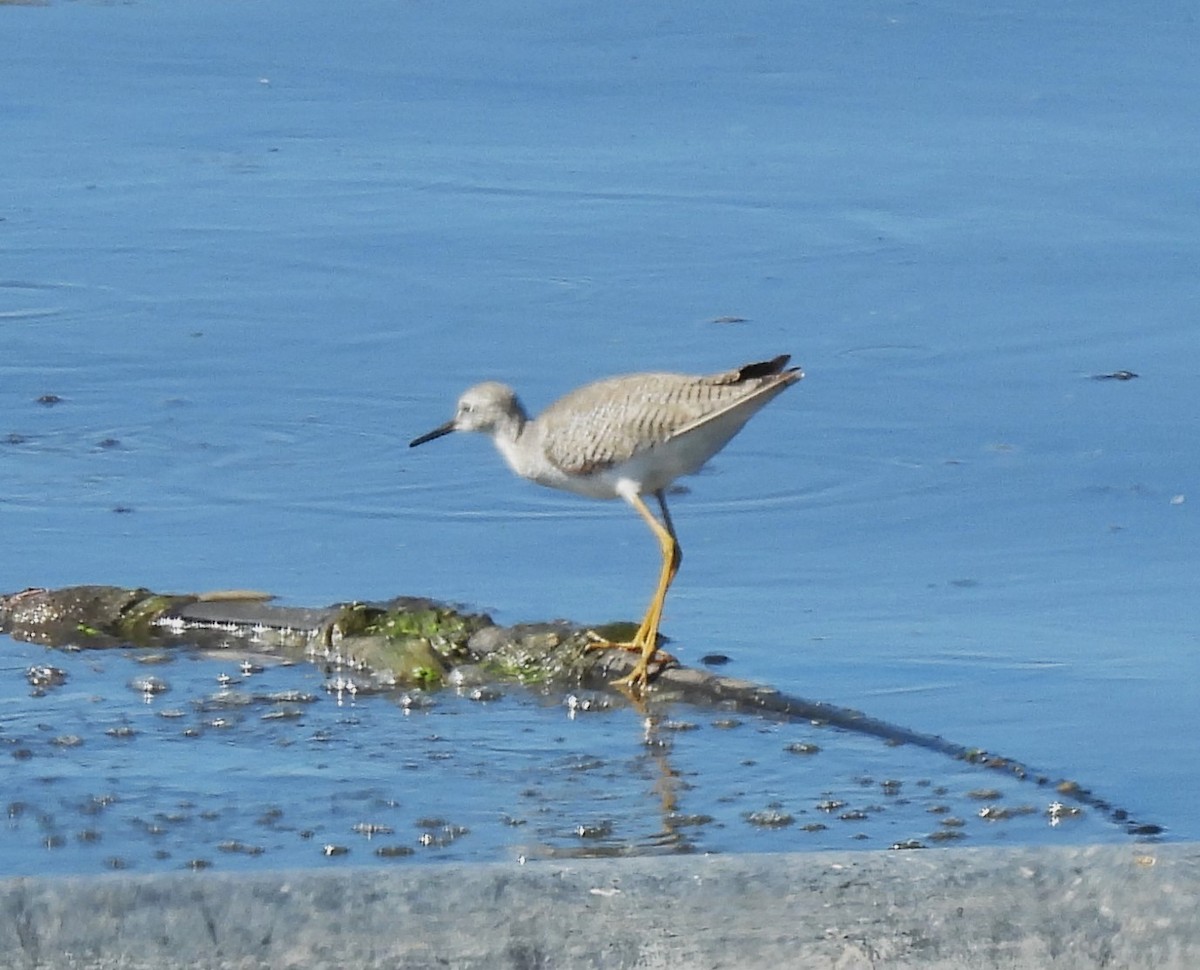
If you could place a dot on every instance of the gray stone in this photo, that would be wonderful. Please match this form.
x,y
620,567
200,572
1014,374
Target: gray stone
x,y
1100,906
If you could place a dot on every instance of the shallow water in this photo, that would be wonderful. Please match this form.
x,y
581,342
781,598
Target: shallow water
x,y
254,249
266,766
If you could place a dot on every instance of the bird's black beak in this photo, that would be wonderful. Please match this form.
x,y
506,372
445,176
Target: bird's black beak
x,y
439,432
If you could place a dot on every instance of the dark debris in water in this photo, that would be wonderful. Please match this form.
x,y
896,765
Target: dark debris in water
x,y
770,818
44,675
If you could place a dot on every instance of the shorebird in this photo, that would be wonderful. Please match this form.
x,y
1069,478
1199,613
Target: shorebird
x,y
624,437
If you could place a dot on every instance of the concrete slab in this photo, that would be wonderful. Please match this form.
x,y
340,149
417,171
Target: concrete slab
x,y
1130,907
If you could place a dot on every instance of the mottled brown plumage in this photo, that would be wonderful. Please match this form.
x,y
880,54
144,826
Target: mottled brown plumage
x,y
608,422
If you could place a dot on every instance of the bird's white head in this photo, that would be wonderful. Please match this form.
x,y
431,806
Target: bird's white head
x,y
490,407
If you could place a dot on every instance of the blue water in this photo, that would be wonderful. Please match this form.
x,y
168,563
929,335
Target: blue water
x,y
255,248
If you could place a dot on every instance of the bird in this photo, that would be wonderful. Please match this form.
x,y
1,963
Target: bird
x,y
624,437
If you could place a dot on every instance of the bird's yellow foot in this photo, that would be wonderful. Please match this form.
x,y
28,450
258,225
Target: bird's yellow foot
x,y
636,681
600,642
639,677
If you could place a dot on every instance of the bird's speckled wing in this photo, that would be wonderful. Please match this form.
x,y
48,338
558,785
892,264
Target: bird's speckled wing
x,y
608,422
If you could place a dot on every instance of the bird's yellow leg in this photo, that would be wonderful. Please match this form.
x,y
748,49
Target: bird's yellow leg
x,y
646,638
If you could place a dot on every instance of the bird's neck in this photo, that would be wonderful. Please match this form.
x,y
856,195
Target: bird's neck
x,y
510,439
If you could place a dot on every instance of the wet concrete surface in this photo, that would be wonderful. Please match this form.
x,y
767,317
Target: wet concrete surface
x,y
1132,906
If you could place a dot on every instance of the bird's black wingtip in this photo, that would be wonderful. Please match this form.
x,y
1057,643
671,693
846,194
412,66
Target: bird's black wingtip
x,y
765,368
